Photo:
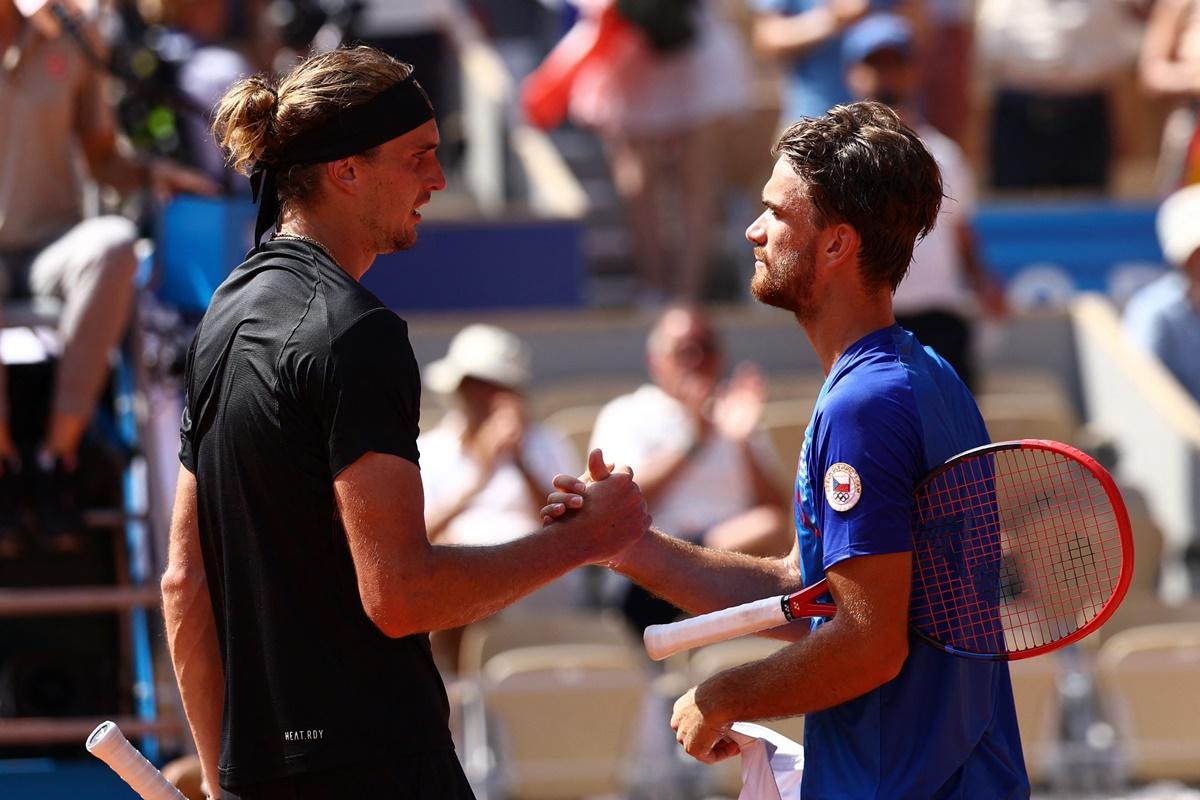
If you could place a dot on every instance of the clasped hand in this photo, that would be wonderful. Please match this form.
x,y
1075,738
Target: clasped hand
x,y
614,504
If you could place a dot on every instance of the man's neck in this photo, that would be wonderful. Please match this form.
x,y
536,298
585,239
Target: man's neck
x,y
342,240
832,334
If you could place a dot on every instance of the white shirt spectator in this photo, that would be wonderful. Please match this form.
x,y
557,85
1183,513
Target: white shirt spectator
x,y
503,511
935,279
637,427
1056,45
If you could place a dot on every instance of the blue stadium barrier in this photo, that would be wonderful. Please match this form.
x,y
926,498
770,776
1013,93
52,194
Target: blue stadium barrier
x,y
1052,248
199,241
1077,246
48,779
511,263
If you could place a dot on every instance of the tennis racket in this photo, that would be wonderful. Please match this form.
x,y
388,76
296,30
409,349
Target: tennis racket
x,y
108,744
1019,548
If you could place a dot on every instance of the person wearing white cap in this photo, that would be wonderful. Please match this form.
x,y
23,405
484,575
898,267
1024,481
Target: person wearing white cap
x,y
485,466
55,115
1164,317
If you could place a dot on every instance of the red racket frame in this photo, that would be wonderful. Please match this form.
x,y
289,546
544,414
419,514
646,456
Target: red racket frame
x,y
1124,531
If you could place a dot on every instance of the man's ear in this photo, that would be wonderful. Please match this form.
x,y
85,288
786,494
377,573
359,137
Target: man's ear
x,y
838,245
343,175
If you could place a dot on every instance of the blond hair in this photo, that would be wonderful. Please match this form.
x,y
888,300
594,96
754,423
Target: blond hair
x,y
259,118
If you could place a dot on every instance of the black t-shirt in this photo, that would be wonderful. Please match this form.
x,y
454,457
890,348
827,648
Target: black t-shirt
x,y
295,372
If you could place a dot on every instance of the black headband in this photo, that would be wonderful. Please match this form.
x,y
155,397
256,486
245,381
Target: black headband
x,y
395,111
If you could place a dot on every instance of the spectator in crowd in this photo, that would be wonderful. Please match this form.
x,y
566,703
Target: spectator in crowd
x,y
485,465
1170,66
210,67
947,54
1052,68
807,36
946,279
706,469
1164,317
659,108
54,116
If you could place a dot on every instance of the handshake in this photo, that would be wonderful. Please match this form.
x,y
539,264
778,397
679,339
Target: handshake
x,y
604,506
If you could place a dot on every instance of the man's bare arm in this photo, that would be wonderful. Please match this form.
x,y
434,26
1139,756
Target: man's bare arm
x,y
682,572
192,632
699,579
793,35
408,585
861,648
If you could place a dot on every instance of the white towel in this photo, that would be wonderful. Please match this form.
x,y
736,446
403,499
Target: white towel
x,y
772,764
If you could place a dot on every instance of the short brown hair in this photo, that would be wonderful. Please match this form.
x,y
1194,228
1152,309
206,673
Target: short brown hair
x,y
258,117
864,167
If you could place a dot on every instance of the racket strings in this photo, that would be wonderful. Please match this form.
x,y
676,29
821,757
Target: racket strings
x,y
1071,549
1013,549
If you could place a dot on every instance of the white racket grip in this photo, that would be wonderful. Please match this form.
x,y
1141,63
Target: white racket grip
x,y
717,626
108,744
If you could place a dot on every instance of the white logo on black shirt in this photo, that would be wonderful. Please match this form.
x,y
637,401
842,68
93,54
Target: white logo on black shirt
x,y
304,736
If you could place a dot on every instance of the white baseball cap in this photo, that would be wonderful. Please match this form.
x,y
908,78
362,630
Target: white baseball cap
x,y
29,7
1178,225
481,351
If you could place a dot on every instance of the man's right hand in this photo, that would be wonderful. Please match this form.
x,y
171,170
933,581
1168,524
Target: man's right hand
x,y
607,505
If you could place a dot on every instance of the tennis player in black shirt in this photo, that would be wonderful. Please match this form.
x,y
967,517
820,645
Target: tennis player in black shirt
x,y
301,585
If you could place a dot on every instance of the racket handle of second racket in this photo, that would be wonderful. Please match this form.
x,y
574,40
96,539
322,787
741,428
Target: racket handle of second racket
x,y
108,744
760,615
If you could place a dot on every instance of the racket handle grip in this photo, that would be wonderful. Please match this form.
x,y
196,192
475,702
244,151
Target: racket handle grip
x,y
667,640
108,744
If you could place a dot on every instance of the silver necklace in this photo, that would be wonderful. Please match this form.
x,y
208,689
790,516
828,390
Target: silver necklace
x,y
313,242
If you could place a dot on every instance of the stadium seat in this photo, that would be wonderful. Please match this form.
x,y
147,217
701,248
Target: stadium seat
x,y
1149,679
1027,416
513,629
561,720
1035,684
576,423
588,390
1140,610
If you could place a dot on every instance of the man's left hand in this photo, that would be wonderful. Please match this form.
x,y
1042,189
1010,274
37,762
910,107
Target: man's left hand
x,y
700,737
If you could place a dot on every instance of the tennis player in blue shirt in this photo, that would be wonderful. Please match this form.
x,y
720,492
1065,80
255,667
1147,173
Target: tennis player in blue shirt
x,y
886,715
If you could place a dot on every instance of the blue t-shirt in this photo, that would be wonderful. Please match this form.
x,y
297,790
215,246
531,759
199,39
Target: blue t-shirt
x,y
1162,319
946,726
816,80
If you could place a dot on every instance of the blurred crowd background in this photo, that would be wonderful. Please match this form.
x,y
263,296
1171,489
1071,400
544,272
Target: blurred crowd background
x,y
583,282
